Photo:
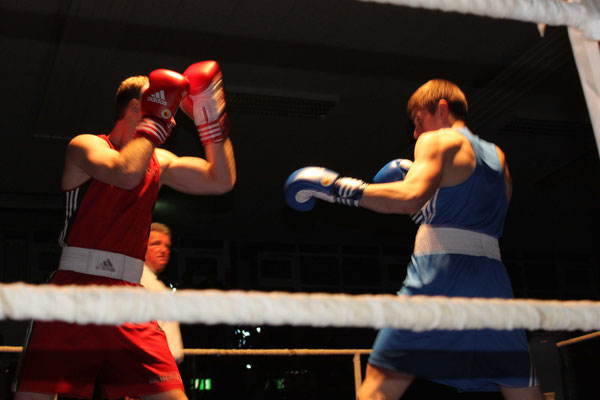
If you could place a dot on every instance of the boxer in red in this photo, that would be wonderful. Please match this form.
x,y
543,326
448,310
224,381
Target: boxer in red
x,y
111,183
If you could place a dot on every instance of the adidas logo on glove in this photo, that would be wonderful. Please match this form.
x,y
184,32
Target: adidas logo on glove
x,y
158,97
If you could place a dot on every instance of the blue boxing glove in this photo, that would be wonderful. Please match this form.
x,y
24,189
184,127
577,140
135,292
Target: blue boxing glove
x,y
393,171
306,184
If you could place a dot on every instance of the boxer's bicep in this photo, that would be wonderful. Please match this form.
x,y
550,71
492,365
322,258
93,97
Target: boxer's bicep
x,y
190,175
420,183
427,171
87,156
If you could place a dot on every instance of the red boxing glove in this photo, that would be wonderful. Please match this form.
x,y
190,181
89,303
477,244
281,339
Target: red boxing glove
x,y
159,104
206,101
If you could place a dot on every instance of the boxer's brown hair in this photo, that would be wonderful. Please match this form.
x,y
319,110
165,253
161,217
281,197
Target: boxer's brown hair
x,y
429,95
130,88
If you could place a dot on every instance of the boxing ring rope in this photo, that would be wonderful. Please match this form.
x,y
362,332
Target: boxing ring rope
x,y
116,305
551,12
578,339
355,353
101,304
246,352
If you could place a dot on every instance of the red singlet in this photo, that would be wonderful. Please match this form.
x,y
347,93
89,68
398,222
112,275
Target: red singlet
x,y
128,360
105,217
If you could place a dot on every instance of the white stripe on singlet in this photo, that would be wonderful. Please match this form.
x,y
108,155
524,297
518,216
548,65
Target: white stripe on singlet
x,y
70,208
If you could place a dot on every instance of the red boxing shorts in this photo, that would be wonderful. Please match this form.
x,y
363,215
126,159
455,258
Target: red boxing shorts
x,y
67,359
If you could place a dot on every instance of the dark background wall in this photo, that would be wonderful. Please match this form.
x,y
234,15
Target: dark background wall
x,y
307,83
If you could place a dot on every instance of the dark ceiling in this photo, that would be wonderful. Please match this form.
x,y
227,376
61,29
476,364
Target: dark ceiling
x,y
308,82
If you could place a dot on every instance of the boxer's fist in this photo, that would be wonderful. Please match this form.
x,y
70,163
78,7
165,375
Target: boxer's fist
x,y
206,101
306,184
159,104
393,171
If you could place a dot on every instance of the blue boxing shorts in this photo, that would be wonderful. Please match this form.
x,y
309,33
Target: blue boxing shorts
x,y
469,360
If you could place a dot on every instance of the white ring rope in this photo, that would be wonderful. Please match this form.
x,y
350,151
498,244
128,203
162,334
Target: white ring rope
x,y
116,305
581,16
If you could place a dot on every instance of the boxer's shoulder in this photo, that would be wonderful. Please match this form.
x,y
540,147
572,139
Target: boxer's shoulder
x,y
87,139
444,142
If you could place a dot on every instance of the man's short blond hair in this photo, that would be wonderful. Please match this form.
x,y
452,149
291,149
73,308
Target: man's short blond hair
x,y
159,227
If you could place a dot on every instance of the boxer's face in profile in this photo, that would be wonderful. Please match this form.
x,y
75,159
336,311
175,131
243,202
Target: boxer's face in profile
x,y
424,122
427,121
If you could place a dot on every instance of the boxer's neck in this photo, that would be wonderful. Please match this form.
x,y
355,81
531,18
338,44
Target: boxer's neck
x,y
123,131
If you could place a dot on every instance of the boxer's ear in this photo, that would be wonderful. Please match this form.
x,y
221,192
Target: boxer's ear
x,y
442,108
135,106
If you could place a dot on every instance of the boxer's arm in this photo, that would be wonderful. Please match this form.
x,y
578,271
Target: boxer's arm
x,y
507,179
90,156
193,175
420,183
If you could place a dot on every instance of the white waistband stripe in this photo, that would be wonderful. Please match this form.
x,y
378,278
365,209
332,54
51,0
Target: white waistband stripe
x,y
101,263
438,240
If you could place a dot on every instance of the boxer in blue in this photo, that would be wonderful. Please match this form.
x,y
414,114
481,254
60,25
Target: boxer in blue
x,y
457,190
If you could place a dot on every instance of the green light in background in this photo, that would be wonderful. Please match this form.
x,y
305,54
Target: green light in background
x,y
162,205
201,384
